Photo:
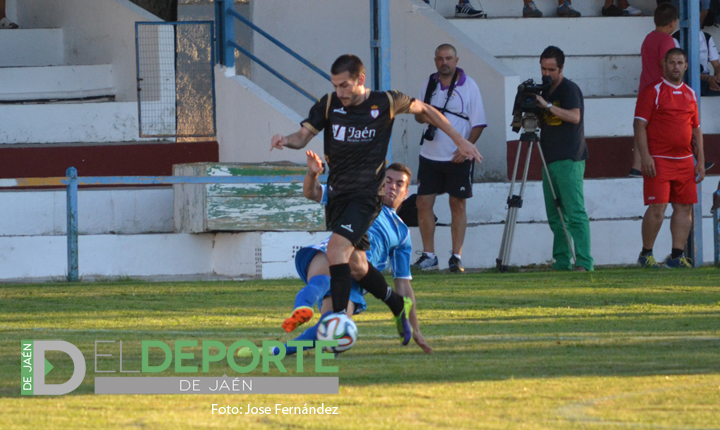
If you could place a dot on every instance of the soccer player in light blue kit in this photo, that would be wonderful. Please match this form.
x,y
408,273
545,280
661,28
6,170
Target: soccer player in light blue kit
x,y
389,245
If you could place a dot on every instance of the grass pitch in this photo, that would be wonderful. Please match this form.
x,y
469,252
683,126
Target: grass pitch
x,y
612,349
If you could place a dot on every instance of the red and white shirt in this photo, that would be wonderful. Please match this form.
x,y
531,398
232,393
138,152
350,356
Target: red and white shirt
x,y
671,113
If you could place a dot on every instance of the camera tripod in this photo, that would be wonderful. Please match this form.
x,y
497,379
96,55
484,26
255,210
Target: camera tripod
x,y
514,202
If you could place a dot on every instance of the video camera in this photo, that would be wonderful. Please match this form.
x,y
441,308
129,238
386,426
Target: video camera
x,y
526,106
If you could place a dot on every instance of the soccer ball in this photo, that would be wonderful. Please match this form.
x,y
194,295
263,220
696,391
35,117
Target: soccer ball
x,y
338,327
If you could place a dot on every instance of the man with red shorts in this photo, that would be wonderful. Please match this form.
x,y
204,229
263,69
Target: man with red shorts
x,y
667,134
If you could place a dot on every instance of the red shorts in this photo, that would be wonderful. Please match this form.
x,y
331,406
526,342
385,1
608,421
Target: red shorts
x,y
674,182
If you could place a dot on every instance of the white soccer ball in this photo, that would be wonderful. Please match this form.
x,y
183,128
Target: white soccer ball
x,y
338,327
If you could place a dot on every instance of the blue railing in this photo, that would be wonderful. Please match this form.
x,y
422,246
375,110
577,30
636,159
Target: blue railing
x,y
72,182
225,17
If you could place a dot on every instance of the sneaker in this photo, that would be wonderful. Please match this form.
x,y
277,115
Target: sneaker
x,y
709,165
682,262
299,317
531,11
403,323
6,24
579,269
635,173
567,11
632,11
648,261
455,265
427,263
465,10
613,10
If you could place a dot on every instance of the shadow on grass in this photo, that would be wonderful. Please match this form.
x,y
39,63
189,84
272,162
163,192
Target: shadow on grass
x,y
483,327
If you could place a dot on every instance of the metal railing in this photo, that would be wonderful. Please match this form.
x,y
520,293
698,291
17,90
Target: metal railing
x,y
72,181
225,16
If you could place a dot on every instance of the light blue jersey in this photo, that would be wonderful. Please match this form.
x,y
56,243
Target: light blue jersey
x,y
390,244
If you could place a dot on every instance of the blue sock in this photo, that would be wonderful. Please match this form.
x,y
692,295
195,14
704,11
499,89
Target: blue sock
x,y
313,291
309,334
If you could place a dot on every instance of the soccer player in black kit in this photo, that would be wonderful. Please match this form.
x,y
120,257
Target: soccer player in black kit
x,y
357,125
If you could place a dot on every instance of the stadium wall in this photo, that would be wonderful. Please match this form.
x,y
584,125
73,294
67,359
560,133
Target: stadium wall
x,y
244,134
128,233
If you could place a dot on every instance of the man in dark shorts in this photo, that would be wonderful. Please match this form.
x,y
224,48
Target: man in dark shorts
x,y
667,133
357,125
441,169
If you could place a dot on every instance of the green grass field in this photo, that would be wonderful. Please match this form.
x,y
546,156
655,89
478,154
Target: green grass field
x,y
613,349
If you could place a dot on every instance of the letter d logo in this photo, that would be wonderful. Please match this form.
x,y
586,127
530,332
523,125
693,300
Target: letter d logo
x,y
39,348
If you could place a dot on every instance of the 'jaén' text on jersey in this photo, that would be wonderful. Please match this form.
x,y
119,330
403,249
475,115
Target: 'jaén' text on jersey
x,y
356,138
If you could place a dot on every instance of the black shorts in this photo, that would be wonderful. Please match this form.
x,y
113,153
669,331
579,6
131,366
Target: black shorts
x,y
351,215
440,177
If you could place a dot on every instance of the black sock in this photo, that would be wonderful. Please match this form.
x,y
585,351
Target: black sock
x,y
646,251
375,284
340,284
676,253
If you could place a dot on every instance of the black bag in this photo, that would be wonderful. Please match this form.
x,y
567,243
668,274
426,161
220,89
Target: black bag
x,y
408,211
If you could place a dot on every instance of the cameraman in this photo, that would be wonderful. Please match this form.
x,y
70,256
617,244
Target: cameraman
x,y
563,144
442,168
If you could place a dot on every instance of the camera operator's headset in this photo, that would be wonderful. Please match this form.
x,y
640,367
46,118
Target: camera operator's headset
x,y
432,84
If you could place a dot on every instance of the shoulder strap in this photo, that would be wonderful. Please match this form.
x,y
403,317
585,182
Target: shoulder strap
x,y
453,81
327,105
707,39
391,104
431,85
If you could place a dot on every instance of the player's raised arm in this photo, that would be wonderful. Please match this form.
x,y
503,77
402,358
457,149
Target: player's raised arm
x,y
403,287
297,140
427,114
311,184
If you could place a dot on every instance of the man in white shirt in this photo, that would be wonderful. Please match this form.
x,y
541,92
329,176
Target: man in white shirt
x,y
442,169
709,82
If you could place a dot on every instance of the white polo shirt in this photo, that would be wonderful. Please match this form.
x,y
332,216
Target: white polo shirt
x,y
708,51
466,100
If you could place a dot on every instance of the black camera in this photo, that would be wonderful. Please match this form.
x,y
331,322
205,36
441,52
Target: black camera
x,y
526,100
430,133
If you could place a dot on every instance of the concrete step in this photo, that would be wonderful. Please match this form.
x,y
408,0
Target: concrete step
x,y
611,75
513,8
517,37
32,47
69,122
56,82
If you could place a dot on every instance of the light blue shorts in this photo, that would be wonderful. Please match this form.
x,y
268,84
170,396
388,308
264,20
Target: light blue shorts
x,y
304,256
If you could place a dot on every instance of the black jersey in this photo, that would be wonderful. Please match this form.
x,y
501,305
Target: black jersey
x,y
356,138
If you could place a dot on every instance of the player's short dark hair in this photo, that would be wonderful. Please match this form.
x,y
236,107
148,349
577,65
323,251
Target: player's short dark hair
x,y
348,63
400,167
676,51
665,14
446,46
556,53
